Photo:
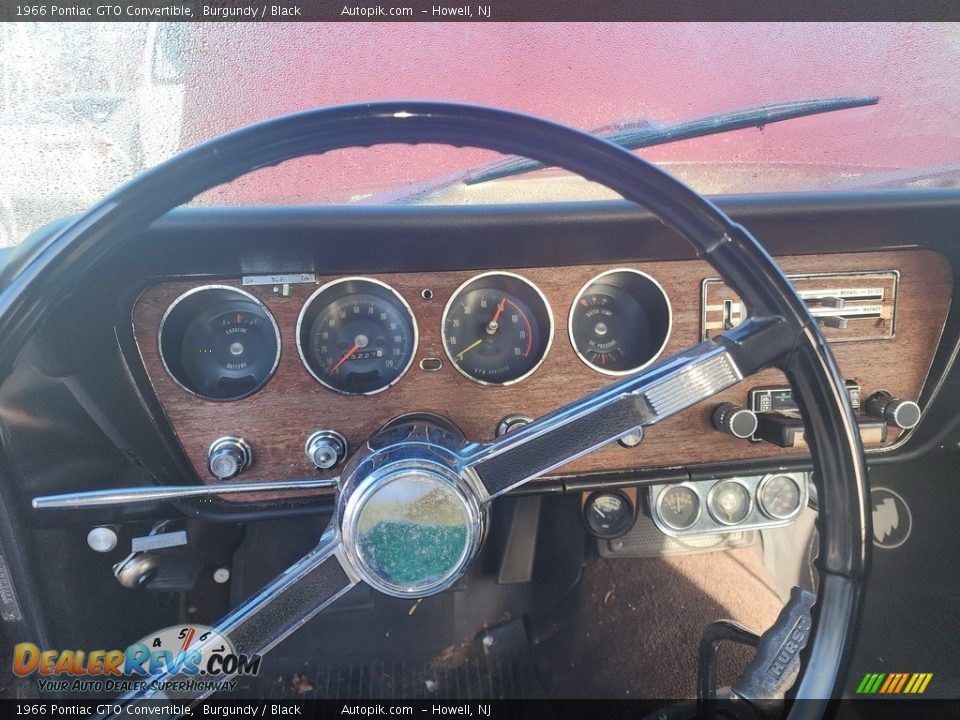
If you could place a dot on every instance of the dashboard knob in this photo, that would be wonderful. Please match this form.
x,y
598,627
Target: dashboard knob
x,y
511,423
228,457
326,449
904,414
734,420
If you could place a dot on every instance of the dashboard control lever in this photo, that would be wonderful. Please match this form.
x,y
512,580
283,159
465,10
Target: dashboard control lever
x,y
734,420
833,321
904,414
228,457
326,449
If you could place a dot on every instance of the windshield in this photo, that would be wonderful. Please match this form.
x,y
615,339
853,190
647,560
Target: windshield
x,y
85,106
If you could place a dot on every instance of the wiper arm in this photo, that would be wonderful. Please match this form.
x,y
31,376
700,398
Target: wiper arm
x,y
637,134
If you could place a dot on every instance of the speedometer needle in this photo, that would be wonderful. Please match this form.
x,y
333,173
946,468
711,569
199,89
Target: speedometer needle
x,y
346,356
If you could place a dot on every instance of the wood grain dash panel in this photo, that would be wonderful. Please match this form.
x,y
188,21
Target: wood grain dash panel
x,y
277,419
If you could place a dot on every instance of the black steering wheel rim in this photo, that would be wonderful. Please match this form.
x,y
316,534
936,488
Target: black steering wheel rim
x,y
839,466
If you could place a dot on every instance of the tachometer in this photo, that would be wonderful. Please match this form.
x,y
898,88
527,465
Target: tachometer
x,y
219,342
497,328
356,336
620,321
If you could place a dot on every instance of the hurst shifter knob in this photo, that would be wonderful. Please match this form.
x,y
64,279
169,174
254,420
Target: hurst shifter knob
x,y
903,414
734,420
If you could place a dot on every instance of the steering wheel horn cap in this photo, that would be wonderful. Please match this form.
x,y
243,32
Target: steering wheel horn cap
x,y
410,524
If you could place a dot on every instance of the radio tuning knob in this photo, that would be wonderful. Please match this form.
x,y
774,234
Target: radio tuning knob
x,y
228,457
734,420
904,414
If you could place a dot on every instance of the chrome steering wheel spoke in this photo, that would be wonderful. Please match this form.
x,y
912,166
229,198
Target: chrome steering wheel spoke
x,y
273,613
639,401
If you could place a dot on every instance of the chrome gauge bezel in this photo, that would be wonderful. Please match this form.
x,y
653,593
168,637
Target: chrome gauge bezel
x,y
659,506
460,289
763,506
598,278
356,279
751,502
245,296
707,524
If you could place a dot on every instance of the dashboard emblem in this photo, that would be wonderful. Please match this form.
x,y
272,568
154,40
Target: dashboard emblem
x,y
892,520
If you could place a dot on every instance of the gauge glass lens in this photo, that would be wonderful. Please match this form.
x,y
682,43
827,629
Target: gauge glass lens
x,y
497,329
780,497
608,514
357,337
729,502
679,507
219,343
620,322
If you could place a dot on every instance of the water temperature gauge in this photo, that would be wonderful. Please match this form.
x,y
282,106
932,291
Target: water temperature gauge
x,y
620,322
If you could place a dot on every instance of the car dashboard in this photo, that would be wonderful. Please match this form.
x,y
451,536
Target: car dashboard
x,y
158,321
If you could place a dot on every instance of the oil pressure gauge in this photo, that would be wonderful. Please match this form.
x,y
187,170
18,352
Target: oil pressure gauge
x,y
678,507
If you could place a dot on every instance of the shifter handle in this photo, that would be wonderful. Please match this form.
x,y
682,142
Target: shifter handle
x,y
776,665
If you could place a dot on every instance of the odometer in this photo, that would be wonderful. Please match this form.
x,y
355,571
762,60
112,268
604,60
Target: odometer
x,y
497,328
357,336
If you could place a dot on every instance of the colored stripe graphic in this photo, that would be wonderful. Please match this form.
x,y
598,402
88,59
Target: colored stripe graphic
x,y
894,683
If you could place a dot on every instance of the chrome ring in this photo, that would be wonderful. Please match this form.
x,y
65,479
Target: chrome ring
x,y
246,295
373,281
594,280
713,490
659,505
460,289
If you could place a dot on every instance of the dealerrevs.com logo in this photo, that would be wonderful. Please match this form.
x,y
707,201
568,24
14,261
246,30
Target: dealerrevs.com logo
x,y
178,659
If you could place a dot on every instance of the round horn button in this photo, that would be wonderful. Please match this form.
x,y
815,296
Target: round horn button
x,y
413,533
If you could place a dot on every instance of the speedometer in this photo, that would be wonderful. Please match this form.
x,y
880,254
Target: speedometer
x,y
356,336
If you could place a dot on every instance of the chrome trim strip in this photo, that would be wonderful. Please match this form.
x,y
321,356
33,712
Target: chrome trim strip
x,y
125,496
664,390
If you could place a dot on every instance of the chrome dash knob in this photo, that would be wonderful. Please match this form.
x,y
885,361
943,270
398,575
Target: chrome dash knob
x,y
325,449
228,457
734,420
904,414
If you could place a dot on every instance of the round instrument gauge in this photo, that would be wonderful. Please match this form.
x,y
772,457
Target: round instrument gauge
x,y
219,342
678,507
620,321
356,336
729,502
497,328
608,514
779,497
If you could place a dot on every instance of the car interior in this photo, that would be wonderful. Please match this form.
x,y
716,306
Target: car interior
x,y
660,444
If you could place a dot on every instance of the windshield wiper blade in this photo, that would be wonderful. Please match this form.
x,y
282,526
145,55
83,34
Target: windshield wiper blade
x,y
636,134
632,135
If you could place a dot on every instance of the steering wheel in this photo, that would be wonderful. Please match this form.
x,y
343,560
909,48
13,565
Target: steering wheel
x,y
418,473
